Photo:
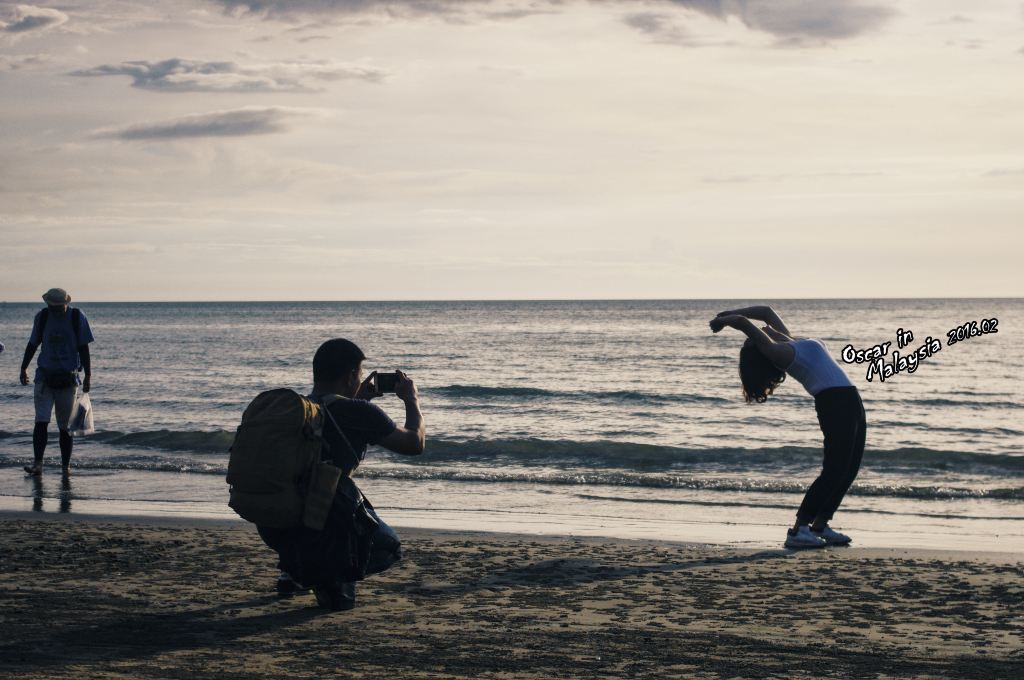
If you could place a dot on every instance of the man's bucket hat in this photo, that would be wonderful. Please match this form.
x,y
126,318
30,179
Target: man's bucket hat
x,y
56,296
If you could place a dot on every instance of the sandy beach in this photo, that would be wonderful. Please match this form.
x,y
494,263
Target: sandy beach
x,y
131,597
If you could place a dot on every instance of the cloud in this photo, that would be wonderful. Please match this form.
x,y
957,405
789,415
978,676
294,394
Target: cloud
x,y
967,43
18,62
456,11
520,13
660,27
815,19
278,9
1005,172
184,75
793,22
788,20
786,176
233,123
28,18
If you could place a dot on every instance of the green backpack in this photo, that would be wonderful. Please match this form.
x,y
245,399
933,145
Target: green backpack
x,y
276,475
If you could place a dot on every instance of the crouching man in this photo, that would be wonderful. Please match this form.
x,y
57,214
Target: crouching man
x,y
352,423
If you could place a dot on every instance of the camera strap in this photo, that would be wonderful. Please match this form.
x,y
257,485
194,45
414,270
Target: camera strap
x,y
325,402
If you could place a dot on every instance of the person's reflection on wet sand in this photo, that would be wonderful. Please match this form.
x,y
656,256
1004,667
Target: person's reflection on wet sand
x,y
64,497
37,493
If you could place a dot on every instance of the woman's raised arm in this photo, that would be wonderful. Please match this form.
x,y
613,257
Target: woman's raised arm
x,y
761,313
780,353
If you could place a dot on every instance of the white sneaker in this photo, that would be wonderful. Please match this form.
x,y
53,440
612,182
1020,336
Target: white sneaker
x,y
832,537
803,538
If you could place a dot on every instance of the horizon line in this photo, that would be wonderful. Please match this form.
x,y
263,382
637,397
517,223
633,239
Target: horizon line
x,y
437,300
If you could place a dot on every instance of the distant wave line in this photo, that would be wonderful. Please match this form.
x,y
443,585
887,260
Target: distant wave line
x,y
508,392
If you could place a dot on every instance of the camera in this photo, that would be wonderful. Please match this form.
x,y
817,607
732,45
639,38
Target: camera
x,y
387,382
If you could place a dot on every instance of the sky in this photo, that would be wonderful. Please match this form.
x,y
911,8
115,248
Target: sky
x,y
511,149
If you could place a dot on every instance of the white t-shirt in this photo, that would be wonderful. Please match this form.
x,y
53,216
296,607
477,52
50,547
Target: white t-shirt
x,y
814,367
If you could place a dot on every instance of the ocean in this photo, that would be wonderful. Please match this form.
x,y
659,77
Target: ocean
x,y
620,418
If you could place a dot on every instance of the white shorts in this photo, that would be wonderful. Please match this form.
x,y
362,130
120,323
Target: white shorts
x,y
48,400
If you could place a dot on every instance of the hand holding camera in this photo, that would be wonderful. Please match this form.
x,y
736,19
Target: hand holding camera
x,y
378,384
368,388
405,388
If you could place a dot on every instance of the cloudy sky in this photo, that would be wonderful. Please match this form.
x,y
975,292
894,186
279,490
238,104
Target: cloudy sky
x,y
473,149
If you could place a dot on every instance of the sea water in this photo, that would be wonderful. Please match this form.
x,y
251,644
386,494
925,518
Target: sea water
x,y
620,418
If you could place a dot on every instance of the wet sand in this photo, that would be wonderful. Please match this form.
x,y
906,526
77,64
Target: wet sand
x,y
130,597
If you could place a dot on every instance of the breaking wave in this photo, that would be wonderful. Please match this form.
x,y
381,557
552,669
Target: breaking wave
x,y
598,454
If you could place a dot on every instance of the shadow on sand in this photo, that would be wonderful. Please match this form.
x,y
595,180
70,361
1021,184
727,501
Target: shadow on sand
x,y
139,636
558,573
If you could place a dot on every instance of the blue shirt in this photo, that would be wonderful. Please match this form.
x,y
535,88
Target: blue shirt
x,y
59,341
363,423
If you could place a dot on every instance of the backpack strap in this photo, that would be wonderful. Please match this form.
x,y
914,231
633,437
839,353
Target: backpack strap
x,y
76,322
325,401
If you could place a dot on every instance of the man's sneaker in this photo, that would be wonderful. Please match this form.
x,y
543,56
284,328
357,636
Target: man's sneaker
x,y
832,537
336,596
287,586
802,538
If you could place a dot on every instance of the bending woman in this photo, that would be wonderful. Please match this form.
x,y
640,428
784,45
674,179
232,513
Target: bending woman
x,y
767,355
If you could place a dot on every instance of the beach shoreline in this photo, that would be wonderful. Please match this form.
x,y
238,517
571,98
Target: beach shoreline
x,y
746,520
177,597
233,522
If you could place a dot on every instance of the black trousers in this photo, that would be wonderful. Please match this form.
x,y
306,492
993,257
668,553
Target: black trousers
x,y
841,416
316,558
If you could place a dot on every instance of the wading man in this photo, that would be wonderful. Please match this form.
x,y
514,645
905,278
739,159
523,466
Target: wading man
x,y
63,335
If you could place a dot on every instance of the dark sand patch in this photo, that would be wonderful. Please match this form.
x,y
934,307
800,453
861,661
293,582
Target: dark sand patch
x,y
130,599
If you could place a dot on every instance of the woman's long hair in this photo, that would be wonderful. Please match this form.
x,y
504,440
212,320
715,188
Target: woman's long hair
x,y
758,374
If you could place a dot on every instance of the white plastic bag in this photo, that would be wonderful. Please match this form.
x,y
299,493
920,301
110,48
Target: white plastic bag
x,y
81,421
